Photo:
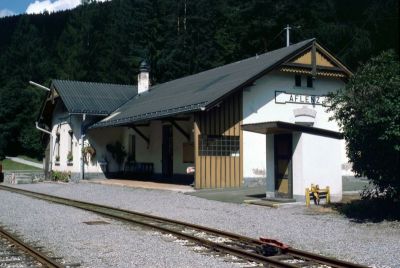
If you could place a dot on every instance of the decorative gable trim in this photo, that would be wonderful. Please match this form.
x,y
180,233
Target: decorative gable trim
x,y
316,61
321,59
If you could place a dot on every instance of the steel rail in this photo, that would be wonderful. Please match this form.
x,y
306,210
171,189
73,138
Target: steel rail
x,y
127,215
37,255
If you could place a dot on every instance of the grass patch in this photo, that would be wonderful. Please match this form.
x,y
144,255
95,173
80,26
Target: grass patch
x,y
9,165
30,159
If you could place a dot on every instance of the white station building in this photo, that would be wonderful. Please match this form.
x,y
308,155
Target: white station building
x,y
259,121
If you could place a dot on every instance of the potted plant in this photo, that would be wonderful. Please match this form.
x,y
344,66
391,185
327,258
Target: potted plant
x,y
88,152
57,163
70,158
118,152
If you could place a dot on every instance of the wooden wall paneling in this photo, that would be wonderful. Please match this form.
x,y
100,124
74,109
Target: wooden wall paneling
x,y
232,133
222,158
212,158
197,159
237,133
227,160
203,159
235,116
218,158
221,132
241,139
220,171
206,158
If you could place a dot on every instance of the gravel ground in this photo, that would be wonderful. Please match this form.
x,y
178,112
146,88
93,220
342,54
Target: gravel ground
x,y
321,231
61,231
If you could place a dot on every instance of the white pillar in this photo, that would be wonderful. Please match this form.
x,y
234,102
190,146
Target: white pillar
x,y
82,142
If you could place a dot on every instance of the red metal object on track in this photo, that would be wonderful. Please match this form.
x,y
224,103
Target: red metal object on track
x,y
275,243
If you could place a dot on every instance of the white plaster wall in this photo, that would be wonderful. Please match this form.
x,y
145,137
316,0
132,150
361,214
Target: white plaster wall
x,y
145,153
321,165
254,160
98,139
298,164
62,124
153,153
259,100
259,106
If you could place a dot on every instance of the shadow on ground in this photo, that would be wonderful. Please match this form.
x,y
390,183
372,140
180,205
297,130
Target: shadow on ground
x,y
373,210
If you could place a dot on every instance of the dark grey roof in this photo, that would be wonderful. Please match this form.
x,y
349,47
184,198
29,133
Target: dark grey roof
x,y
199,91
93,98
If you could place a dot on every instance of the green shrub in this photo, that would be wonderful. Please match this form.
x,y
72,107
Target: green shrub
x,y
368,112
374,210
60,176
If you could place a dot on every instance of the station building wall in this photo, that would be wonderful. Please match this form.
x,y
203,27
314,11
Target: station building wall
x,y
315,159
63,124
68,129
152,152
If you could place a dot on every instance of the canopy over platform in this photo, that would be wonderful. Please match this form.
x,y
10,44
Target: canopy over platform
x,y
279,127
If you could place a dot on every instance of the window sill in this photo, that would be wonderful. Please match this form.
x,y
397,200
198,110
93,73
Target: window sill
x,y
70,164
56,163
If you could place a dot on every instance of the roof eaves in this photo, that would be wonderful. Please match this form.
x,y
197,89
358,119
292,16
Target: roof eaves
x,y
99,113
148,116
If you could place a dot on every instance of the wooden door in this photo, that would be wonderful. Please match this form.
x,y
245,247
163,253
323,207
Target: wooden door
x,y
283,166
167,151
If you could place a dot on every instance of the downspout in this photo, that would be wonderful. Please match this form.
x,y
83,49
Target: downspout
x,y
42,129
47,164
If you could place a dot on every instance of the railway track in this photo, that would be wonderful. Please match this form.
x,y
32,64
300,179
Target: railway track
x,y
263,252
15,253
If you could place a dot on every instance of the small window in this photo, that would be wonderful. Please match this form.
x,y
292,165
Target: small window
x,y
57,154
70,141
219,145
297,80
310,81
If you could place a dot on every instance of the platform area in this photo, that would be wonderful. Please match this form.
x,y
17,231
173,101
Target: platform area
x,y
231,195
143,184
248,195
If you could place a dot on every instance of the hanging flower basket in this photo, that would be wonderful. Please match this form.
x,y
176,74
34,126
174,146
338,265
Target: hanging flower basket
x,y
88,153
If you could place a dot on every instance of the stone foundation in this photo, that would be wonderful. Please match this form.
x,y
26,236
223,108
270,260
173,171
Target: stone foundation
x,y
20,177
254,181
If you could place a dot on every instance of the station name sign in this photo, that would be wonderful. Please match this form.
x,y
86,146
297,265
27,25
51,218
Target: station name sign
x,y
282,97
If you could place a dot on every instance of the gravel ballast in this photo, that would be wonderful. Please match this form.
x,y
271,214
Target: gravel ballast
x,y
327,233
62,231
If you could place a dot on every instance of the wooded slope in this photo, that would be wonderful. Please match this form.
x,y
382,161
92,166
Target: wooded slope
x,y
104,42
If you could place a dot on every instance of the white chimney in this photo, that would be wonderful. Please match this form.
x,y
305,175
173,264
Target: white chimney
x,y
143,77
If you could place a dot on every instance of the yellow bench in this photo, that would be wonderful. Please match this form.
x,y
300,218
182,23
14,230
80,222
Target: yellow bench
x,y
316,194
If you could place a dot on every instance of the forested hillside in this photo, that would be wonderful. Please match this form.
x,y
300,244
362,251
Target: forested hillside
x,y
104,42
